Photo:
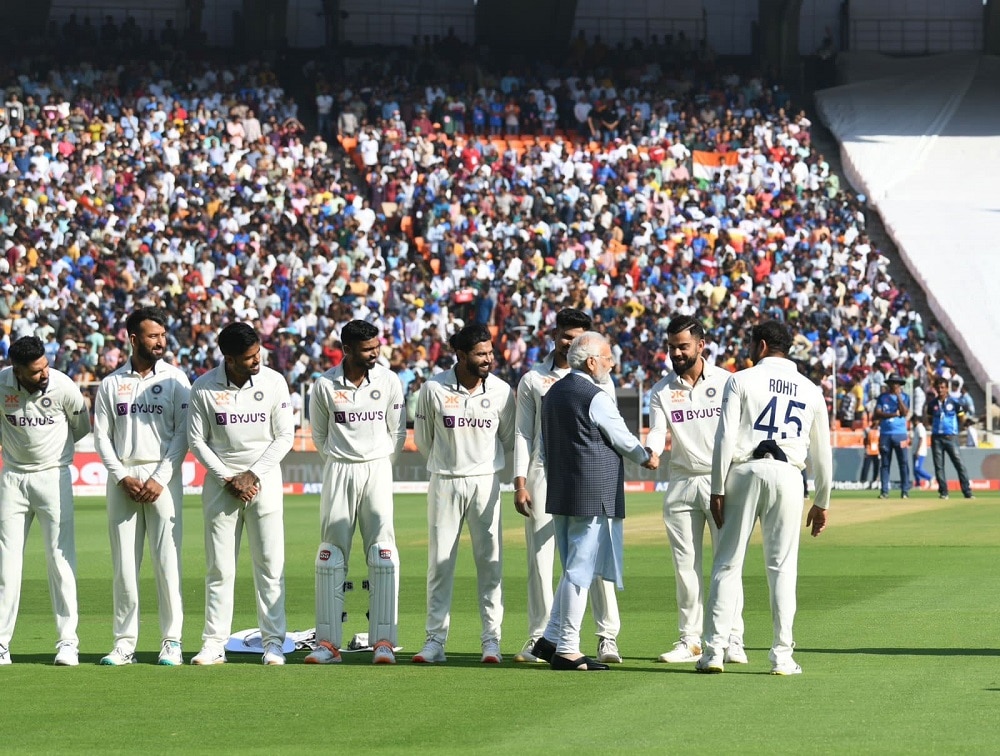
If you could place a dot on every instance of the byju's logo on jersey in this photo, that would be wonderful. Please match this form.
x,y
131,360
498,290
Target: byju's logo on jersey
x,y
449,421
340,417
11,419
240,418
677,416
359,417
121,408
221,418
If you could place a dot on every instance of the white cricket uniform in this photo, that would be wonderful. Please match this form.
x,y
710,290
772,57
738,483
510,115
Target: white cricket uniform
x,y
467,438
770,401
539,532
691,414
232,429
37,433
358,431
140,431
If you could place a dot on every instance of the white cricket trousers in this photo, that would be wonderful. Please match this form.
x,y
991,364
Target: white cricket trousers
x,y
356,494
48,496
539,537
225,517
771,491
685,514
129,525
451,501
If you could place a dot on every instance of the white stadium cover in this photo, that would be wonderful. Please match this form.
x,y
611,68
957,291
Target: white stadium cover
x,y
921,138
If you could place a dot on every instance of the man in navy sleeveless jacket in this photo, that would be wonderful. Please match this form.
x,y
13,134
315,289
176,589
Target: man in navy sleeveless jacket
x,y
583,441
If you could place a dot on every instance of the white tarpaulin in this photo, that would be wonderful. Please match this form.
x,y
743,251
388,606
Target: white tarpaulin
x,y
921,138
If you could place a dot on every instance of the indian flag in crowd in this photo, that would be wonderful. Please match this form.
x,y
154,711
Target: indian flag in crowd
x,y
708,165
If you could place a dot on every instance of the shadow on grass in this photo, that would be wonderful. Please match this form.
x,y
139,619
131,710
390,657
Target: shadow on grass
x,y
890,651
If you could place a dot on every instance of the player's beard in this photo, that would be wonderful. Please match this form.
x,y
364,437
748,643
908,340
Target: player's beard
x,y
682,364
146,354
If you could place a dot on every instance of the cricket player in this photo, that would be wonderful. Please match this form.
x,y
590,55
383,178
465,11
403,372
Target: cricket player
x,y
529,498
358,426
465,428
140,432
44,416
687,403
773,419
240,428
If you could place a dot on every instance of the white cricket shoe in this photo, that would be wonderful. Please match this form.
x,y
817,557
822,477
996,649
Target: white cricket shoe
x,y
683,651
785,668
210,654
325,653
431,653
524,656
382,653
491,652
607,651
170,654
117,658
273,655
712,665
5,656
67,654
736,654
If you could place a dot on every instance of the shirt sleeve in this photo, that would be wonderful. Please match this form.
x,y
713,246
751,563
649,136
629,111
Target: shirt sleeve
x,y
319,417
609,421
658,424
395,416
170,465
524,430
103,441
423,423
76,413
821,453
726,435
198,440
283,430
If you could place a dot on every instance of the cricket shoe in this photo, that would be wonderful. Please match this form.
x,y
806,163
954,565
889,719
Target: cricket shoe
x,y
273,655
325,653
607,651
170,654
5,656
491,652
786,668
736,654
67,654
431,653
711,665
524,656
210,654
382,653
683,651
117,658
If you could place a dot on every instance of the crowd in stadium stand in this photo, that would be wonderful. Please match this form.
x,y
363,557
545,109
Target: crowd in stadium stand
x,y
635,192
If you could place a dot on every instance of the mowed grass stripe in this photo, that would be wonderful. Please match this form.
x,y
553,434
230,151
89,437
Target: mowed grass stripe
x,y
896,628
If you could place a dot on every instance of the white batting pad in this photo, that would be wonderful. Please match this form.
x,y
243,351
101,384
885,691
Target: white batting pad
x,y
331,570
383,592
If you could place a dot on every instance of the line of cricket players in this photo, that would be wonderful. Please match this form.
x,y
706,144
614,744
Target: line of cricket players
x,y
470,426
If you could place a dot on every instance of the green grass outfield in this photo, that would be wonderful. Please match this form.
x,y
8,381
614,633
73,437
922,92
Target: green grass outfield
x,y
897,629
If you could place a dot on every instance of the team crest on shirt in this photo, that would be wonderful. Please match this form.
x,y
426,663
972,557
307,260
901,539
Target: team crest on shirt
x,y
157,389
46,402
678,395
376,394
124,388
258,395
710,392
486,403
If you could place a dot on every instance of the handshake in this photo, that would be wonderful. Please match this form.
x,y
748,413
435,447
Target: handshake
x,y
654,460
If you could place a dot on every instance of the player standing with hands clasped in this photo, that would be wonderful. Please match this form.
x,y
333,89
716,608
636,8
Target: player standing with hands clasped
x,y
529,498
687,402
240,428
358,426
140,431
465,428
772,419
44,416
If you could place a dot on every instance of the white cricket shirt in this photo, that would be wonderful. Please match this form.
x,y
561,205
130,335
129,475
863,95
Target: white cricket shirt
x,y
773,401
462,432
140,420
691,414
236,428
358,423
528,427
38,430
